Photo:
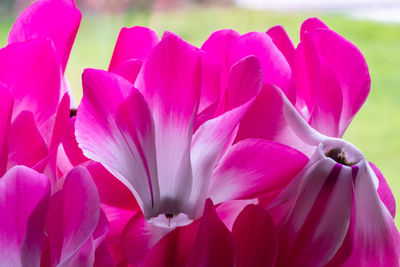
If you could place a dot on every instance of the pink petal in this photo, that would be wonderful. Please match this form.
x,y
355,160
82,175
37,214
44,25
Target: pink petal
x,y
253,167
244,84
217,48
57,20
138,237
174,248
70,145
350,68
33,75
276,70
214,245
229,210
95,120
273,117
24,196
137,159
111,191
78,210
256,238
310,25
326,114
376,240
283,43
384,191
211,82
129,69
60,123
214,136
314,229
6,107
132,43
25,149
170,80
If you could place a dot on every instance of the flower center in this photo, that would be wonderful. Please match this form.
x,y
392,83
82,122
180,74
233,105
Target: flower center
x,y
338,155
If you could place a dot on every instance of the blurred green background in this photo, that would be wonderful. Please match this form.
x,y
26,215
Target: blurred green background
x,y
375,129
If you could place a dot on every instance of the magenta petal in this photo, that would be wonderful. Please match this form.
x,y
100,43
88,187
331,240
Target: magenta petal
x,y
174,249
77,209
33,75
60,125
276,70
376,240
111,191
317,223
310,25
57,20
137,153
24,196
244,84
216,48
70,145
81,209
7,102
132,43
253,167
170,81
325,117
139,237
129,69
256,238
350,69
214,245
283,43
384,191
214,136
25,149
103,92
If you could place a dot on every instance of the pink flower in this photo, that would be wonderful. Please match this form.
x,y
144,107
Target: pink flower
x,y
331,84
146,138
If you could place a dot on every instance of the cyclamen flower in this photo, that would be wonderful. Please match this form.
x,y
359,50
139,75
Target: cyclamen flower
x,y
331,84
145,138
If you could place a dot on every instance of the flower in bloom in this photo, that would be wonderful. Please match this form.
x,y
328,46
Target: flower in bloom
x,y
144,135
324,207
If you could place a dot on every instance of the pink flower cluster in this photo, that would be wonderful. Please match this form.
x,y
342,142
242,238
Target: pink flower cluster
x,y
225,155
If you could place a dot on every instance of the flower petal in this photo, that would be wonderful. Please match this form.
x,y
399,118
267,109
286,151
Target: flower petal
x,y
315,227
276,70
25,149
376,239
33,75
283,43
129,69
384,191
56,20
350,68
174,248
214,136
24,196
78,209
256,238
170,81
254,167
310,25
214,245
139,236
216,48
6,107
132,43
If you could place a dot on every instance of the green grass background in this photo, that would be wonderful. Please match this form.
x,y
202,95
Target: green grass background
x,y
375,129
